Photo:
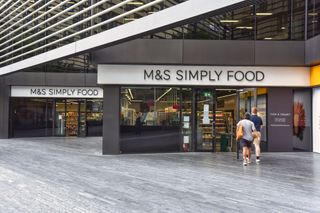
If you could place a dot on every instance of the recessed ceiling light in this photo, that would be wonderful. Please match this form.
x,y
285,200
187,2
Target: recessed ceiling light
x,y
247,28
229,21
283,28
129,19
135,3
264,14
267,38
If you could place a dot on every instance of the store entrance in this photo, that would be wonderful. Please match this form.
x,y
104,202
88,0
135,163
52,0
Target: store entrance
x,y
70,117
215,119
168,119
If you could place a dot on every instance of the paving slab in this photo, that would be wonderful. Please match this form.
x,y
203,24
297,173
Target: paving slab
x,y
71,175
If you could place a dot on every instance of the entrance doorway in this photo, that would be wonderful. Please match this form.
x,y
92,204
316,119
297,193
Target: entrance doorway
x,y
215,119
70,117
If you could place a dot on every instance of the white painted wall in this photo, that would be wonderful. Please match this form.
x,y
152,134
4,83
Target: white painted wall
x,y
316,120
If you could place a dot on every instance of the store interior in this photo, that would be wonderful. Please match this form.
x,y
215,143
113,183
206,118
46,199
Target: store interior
x,y
36,117
210,126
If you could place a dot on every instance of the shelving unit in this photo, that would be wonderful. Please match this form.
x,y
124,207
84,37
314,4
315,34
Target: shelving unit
x,y
224,125
206,136
221,128
72,123
206,132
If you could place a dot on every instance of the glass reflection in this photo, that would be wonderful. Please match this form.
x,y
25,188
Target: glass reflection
x,y
55,117
150,119
28,117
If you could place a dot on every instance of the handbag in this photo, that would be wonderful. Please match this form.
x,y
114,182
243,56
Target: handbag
x,y
239,132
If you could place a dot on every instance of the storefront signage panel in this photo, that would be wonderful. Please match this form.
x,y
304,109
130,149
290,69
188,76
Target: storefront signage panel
x,y
316,120
203,75
56,92
280,119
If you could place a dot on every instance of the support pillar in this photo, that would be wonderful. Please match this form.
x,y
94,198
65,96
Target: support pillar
x,y
280,119
4,109
111,120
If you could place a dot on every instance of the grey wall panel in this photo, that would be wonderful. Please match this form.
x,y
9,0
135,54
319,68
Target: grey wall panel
x,y
4,109
111,120
313,51
152,51
65,79
282,53
218,52
26,78
91,79
51,79
204,52
280,119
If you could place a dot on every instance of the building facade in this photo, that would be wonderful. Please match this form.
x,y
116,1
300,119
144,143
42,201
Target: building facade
x,y
180,83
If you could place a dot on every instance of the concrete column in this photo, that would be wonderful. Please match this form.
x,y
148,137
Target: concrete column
x,y
111,120
4,109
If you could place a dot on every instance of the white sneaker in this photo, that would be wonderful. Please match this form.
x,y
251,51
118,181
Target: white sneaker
x,y
244,162
257,160
248,160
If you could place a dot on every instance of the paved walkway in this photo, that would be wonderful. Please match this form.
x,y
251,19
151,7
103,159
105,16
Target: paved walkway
x,y
70,175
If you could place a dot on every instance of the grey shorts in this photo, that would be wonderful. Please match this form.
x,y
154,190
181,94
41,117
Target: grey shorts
x,y
245,143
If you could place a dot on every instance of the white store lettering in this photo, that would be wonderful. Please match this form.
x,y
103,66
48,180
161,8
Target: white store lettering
x,y
62,92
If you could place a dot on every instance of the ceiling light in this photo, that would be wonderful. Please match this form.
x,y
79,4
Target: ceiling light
x,y
229,21
135,3
264,14
130,92
267,38
129,19
247,28
283,28
166,92
312,14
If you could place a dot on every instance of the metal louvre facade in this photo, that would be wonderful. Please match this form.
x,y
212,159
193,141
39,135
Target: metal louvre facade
x,y
32,27
36,32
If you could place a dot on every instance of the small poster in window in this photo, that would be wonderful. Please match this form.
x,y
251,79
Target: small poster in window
x,y
185,139
206,119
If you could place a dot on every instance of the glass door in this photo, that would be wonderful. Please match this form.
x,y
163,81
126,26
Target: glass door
x,y
60,117
225,120
205,119
72,117
82,131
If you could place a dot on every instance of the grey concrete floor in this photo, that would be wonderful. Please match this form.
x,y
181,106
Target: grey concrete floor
x,y
71,175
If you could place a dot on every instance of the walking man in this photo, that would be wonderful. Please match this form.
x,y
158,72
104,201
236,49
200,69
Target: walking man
x,y
246,140
257,124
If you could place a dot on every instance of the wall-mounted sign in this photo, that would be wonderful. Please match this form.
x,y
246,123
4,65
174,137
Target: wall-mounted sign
x,y
280,119
56,92
203,75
